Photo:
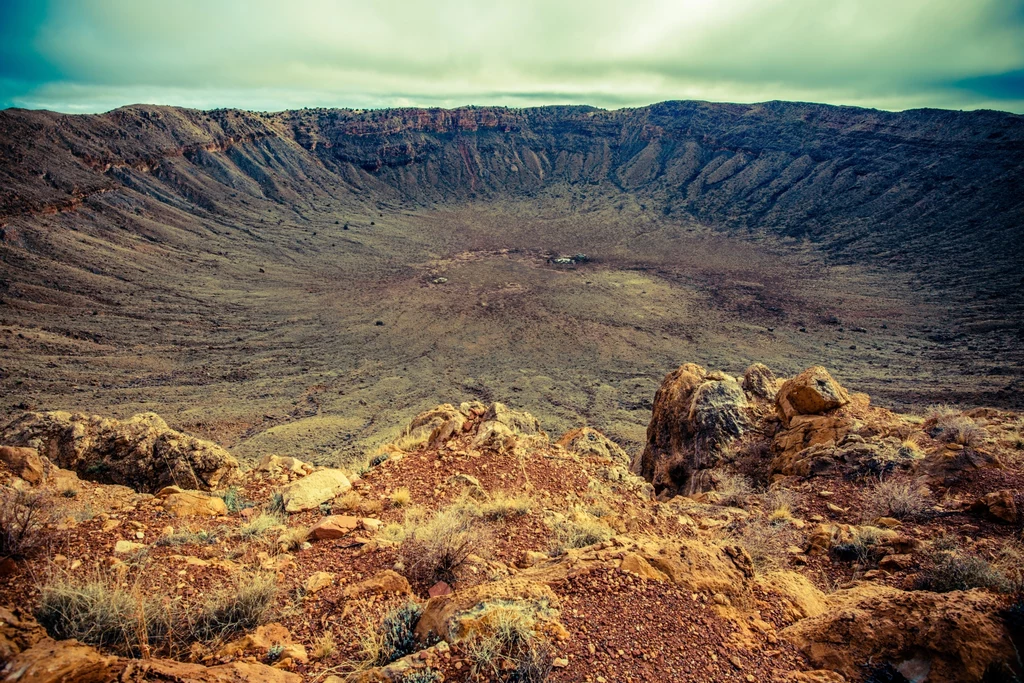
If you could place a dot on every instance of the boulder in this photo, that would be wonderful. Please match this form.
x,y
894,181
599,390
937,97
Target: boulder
x,y
949,636
194,504
759,381
276,464
589,442
50,661
695,414
313,489
24,462
812,392
435,426
142,452
1000,504
179,672
387,581
263,639
333,526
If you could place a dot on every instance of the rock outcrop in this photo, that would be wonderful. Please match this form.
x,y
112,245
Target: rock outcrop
x,y
314,489
926,636
695,413
812,392
142,452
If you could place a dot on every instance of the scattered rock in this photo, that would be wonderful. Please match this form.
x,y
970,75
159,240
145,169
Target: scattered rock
x,y
387,581
759,381
193,504
334,526
317,581
313,489
1000,504
126,547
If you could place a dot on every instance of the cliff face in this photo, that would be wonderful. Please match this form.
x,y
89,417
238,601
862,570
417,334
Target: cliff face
x,y
857,181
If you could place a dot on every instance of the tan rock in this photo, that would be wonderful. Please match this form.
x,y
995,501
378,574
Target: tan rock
x,y
313,489
317,581
276,464
24,462
812,392
50,661
125,547
194,504
386,581
586,441
635,564
334,526
263,639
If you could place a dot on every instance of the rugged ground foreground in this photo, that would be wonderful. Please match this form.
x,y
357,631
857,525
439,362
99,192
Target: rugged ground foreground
x,y
769,531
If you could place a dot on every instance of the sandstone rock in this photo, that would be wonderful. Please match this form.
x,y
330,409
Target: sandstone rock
x,y
18,632
333,526
50,661
276,464
313,489
695,413
194,504
386,581
440,613
263,639
317,581
587,441
24,462
760,381
957,635
125,547
1000,504
636,564
142,452
435,426
182,672
898,562
812,392
519,422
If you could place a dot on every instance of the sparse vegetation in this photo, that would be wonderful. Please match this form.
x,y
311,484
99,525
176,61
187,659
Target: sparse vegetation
x,y
292,538
401,497
765,543
948,567
235,501
733,489
509,649
236,608
502,506
200,537
952,427
22,518
98,611
394,638
864,545
324,645
893,497
779,502
578,530
259,525
435,548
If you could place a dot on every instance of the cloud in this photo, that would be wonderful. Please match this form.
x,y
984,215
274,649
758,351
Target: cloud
x,y
92,55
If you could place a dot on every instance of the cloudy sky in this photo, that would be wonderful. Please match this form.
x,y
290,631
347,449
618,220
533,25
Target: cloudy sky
x,y
94,55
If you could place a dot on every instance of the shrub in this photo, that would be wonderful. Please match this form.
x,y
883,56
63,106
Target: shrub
x,y
766,544
958,429
349,502
780,503
259,525
434,549
401,497
235,609
234,500
502,507
956,570
293,538
510,650
734,489
97,611
276,504
579,530
394,638
897,498
324,645
427,675
22,517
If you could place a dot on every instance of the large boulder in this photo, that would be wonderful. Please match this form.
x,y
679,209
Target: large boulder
x,y
142,452
313,489
926,636
695,414
587,441
759,381
812,392
24,462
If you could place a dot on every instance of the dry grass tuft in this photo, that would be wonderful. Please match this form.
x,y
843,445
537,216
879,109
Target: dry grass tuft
x,y
401,497
502,506
394,638
734,490
899,498
434,549
259,525
510,650
324,645
578,530
234,609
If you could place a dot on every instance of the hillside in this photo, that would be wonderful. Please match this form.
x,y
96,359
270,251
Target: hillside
x,y
784,531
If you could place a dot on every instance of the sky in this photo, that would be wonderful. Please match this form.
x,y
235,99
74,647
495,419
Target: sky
x,y
96,55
